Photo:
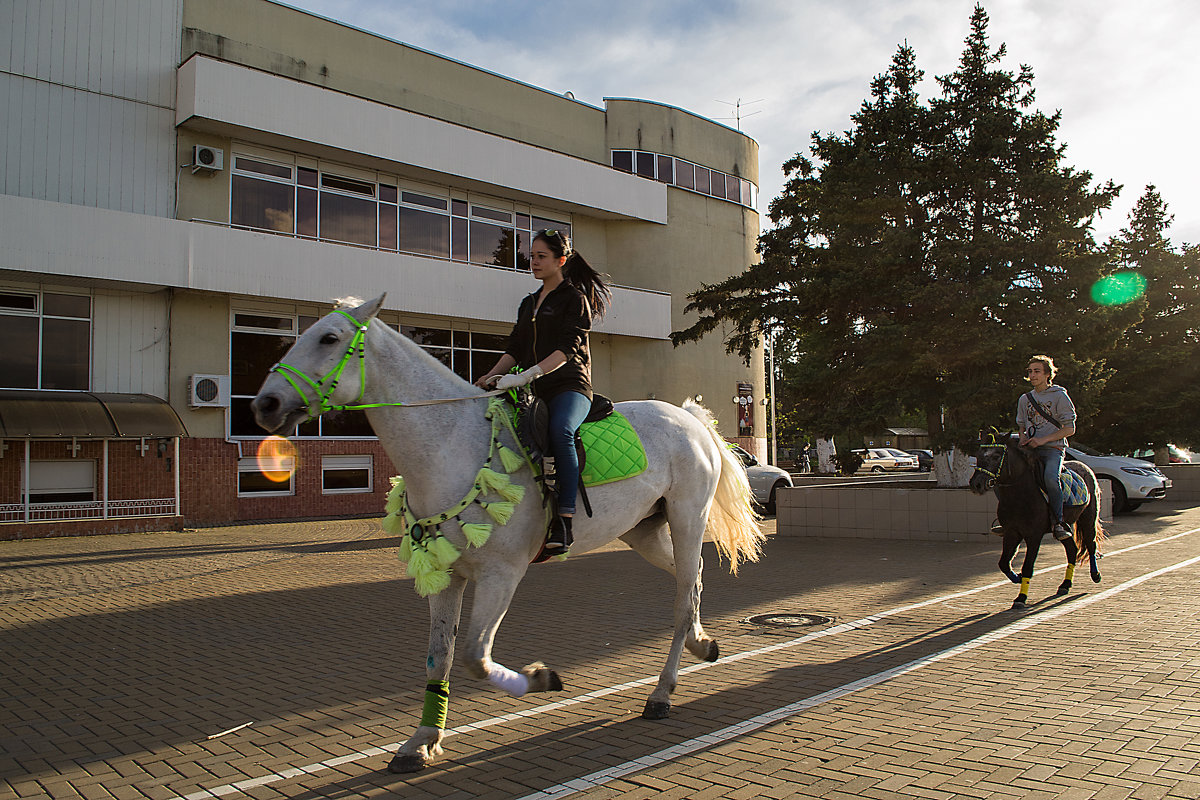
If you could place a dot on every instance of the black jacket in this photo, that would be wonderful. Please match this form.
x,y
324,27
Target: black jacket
x,y
562,323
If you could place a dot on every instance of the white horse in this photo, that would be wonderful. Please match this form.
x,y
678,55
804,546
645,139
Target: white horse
x,y
693,484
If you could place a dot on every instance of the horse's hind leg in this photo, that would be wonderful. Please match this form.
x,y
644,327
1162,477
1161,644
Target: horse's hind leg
x,y
425,745
687,537
651,539
1072,549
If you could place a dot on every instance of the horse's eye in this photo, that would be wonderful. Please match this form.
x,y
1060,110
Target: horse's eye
x,y
329,338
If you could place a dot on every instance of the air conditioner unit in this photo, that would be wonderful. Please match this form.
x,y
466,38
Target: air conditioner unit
x,y
210,159
208,391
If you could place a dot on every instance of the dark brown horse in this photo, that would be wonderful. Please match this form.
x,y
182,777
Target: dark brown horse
x,y
1011,471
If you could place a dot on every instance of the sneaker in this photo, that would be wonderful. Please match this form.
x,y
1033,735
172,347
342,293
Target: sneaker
x,y
1062,532
560,538
997,529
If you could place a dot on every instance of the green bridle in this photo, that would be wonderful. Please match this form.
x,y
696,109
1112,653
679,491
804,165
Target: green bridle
x,y
326,386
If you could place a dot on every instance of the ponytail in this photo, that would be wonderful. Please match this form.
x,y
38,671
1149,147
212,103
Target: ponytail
x,y
589,282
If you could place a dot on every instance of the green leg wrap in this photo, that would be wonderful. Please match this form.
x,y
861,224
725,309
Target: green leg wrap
x,y
437,698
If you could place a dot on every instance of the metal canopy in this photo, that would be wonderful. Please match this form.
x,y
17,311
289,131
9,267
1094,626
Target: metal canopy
x,y
29,414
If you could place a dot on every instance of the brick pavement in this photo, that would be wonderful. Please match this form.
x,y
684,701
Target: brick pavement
x,y
123,654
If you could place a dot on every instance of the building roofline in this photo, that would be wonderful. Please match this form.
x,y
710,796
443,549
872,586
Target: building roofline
x,y
683,111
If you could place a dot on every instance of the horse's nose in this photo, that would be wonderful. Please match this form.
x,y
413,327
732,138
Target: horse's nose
x,y
264,406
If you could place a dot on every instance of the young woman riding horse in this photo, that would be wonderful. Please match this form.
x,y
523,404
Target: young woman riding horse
x,y
550,343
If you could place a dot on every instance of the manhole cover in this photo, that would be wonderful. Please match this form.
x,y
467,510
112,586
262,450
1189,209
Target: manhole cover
x,y
790,620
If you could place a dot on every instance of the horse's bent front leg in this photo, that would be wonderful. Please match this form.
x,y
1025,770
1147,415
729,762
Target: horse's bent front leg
x,y
1007,551
493,594
426,744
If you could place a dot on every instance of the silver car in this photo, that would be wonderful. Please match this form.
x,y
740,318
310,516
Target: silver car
x,y
765,480
1133,481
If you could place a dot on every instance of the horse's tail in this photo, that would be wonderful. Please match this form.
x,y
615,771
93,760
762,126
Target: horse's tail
x,y
1089,527
732,522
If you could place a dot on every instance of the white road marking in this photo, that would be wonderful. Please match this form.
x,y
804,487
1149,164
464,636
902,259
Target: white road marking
x,y
724,735
589,781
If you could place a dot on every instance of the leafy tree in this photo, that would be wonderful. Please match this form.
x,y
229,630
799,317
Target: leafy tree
x,y
921,256
1152,395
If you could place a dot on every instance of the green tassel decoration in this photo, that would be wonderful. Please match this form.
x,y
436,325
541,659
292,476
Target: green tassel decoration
x,y
477,533
512,461
393,524
405,549
431,583
491,480
443,552
419,563
501,512
511,491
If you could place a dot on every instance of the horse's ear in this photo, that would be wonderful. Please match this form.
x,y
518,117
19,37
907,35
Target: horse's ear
x,y
368,309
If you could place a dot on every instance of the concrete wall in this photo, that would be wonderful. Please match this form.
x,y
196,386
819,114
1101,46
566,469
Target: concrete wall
x,y
885,511
1185,482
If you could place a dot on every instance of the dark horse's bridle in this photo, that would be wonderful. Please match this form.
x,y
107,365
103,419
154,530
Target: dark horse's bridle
x,y
995,476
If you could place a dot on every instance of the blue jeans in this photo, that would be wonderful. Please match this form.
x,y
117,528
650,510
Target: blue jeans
x,y
1052,461
568,410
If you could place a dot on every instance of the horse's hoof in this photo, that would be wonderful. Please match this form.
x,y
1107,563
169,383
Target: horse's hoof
x,y
1012,576
542,678
1019,605
1096,576
656,710
714,652
1063,590
402,764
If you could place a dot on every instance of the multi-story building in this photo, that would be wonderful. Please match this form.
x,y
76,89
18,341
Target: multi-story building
x,y
187,184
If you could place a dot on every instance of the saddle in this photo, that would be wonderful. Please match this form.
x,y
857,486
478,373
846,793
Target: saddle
x,y
1074,490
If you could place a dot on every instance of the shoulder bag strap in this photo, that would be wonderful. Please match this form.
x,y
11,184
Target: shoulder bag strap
x,y
1038,407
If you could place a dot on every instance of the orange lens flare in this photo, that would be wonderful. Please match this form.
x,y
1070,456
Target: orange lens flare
x,y
276,459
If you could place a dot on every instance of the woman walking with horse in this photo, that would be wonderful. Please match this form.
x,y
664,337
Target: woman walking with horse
x,y
550,344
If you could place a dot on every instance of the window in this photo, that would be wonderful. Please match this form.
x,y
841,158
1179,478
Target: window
x,y
271,195
346,474
277,481
257,342
686,175
70,480
47,340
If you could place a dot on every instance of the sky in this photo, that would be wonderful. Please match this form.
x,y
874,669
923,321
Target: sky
x,y
1125,75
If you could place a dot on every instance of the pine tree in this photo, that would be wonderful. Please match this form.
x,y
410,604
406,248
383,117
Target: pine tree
x,y
922,255
1152,395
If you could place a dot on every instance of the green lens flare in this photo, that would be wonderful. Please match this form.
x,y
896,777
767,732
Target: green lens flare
x,y
1118,288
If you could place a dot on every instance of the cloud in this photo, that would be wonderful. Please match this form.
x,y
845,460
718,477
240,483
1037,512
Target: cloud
x,y
1122,73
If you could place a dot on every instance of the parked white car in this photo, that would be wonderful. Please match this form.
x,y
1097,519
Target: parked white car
x,y
886,459
764,479
1133,481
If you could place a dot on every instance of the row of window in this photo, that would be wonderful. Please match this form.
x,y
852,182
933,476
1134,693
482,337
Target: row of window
x,y
339,475
47,340
687,175
74,480
258,341
379,213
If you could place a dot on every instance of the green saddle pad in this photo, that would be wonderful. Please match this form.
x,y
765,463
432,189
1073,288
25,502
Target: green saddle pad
x,y
614,450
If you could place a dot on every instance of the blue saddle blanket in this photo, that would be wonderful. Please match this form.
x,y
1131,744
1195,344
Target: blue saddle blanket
x,y
1074,490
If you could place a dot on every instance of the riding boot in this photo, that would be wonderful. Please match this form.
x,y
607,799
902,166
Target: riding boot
x,y
560,538
997,528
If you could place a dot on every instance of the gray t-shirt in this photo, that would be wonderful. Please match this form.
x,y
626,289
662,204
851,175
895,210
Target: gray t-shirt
x,y
1057,404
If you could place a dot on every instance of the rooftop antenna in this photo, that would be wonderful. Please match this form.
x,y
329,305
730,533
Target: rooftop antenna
x,y
737,110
